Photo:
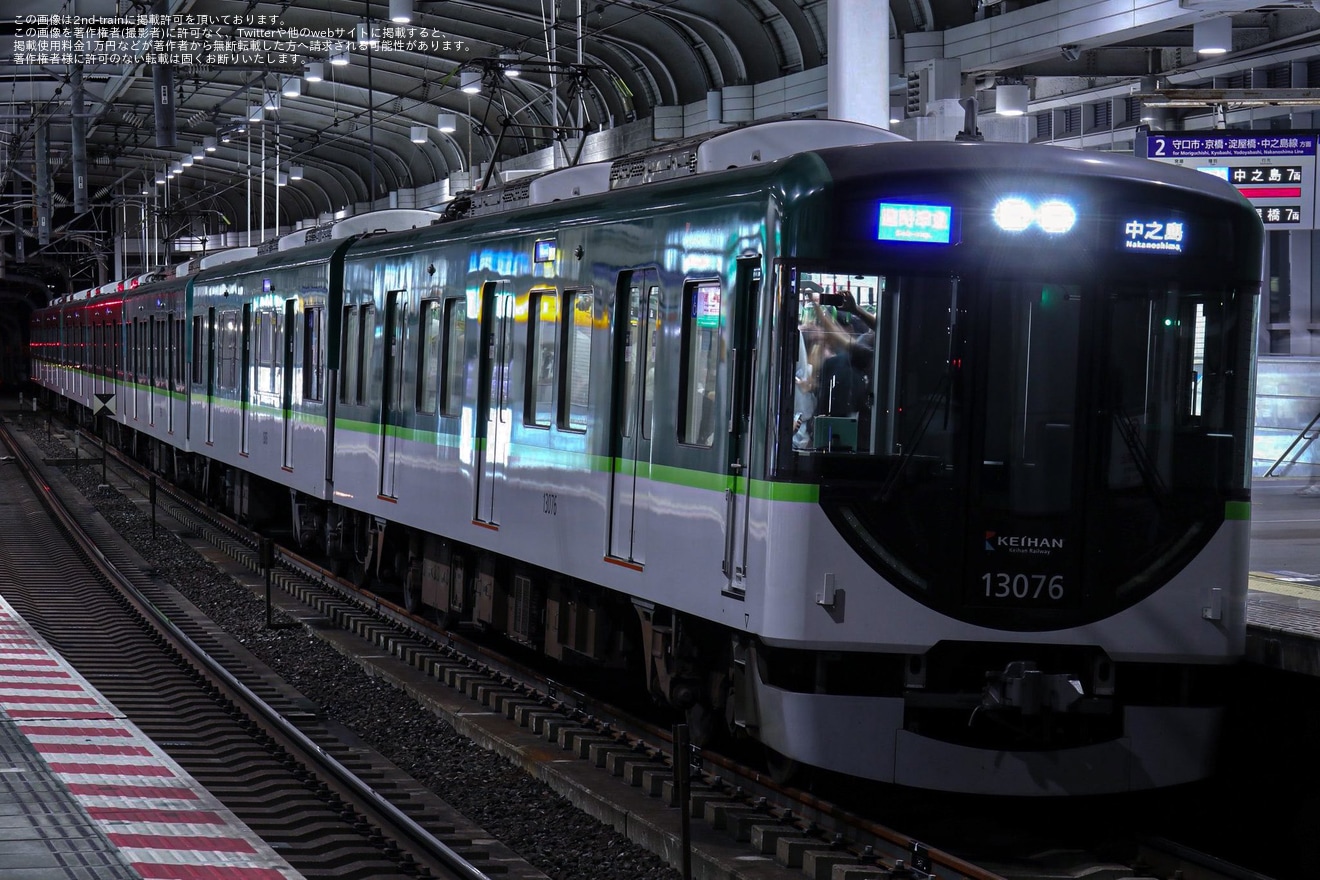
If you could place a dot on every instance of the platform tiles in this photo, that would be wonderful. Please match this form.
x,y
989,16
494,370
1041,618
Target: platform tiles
x,y
84,794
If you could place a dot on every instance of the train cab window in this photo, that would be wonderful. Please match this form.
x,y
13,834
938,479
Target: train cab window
x,y
835,369
702,359
453,376
428,355
348,356
542,340
576,331
313,354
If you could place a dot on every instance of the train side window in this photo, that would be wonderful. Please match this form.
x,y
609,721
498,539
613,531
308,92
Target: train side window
x,y
348,355
576,333
313,356
428,355
700,369
542,341
453,377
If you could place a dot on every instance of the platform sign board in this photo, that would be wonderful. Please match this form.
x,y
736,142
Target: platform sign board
x,y
1276,171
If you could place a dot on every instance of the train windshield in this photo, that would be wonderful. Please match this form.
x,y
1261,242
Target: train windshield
x,y
986,442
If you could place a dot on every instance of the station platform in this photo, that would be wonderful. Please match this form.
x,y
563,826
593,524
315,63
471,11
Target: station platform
x,y
1283,607
84,794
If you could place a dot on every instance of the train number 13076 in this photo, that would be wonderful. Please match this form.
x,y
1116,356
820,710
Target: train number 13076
x,y
1005,585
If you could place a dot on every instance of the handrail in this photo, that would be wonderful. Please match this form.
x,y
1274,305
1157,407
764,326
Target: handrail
x,y
1309,440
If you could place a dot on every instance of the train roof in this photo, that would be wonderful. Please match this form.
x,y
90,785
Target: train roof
x,y
740,147
1031,161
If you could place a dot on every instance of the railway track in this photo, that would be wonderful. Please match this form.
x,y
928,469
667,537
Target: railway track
x,y
625,774
302,783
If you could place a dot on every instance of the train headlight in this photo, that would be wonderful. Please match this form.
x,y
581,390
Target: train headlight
x,y
1013,215
1053,216
1056,217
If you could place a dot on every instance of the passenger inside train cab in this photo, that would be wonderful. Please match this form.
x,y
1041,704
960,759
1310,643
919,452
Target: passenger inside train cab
x,y
833,381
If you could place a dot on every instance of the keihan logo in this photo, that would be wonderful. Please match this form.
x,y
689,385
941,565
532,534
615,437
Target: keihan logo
x,y
1022,543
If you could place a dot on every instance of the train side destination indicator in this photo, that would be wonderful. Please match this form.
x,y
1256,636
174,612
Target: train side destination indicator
x,y
1276,171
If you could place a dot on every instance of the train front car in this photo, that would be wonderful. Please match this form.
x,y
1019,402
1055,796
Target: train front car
x,y
1020,379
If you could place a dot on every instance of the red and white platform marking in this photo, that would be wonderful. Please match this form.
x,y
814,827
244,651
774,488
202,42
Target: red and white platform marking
x,y
166,826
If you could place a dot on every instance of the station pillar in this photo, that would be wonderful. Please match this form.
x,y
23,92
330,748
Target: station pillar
x,y
858,78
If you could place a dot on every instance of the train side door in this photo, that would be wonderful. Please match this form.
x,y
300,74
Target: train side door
x,y
495,372
636,329
244,378
396,308
742,368
288,341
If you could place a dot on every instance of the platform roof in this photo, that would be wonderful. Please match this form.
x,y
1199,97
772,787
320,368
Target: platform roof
x,y
627,73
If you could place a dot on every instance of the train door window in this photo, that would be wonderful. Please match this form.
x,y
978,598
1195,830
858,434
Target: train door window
x,y
143,351
699,373
576,332
161,366
170,371
396,341
453,375
348,356
263,349
367,390
428,357
1031,397
211,330
650,343
228,372
130,355
180,355
313,355
276,351
639,354
542,340
197,375
266,348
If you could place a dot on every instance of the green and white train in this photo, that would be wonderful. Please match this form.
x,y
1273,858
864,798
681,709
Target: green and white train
x,y
925,463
